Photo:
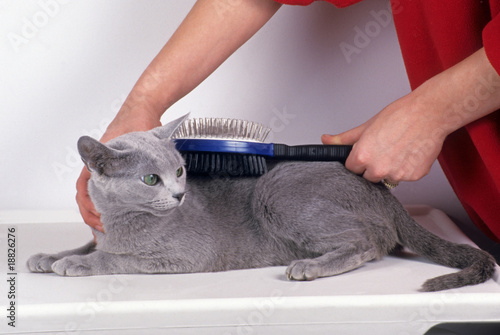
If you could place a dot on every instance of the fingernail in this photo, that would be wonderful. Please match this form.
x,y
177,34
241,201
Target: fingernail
x,y
99,228
330,139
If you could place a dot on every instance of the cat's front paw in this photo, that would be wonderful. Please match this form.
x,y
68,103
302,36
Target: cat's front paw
x,y
41,263
304,269
72,266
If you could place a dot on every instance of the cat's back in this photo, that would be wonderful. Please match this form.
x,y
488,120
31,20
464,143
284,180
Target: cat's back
x,y
321,185
314,177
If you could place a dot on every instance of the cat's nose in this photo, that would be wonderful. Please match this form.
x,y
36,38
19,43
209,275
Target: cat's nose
x,y
179,196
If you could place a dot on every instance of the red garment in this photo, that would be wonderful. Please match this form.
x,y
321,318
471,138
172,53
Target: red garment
x,y
434,36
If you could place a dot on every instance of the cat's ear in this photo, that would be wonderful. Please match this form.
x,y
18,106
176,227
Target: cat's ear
x,y
169,129
98,157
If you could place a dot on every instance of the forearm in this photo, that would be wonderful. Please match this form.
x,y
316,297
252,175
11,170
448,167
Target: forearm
x,y
210,33
461,94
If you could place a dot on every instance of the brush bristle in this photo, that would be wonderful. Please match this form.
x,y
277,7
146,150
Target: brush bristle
x,y
224,164
220,128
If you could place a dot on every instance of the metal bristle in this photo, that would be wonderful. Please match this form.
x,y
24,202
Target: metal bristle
x,y
222,128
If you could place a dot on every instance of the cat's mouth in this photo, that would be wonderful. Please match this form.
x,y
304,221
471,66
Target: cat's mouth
x,y
180,197
165,205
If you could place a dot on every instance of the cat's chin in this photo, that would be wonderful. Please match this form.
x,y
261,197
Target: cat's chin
x,y
166,208
161,213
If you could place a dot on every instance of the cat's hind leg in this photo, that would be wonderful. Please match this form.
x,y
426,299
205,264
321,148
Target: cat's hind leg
x,y
344,258
335,248
43,262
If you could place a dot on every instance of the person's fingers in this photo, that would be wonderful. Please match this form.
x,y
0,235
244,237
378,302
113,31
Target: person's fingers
x,y
85,205
350,137
92,220
89,216
330,139
345,138
357,161
374,175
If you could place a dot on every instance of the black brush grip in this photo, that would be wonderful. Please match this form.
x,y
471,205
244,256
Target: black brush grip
x,y
313,152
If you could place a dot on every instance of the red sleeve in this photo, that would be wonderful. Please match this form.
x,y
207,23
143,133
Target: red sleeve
x,y
337,3
491,42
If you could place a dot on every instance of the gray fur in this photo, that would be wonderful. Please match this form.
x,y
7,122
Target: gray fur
x,y
316,217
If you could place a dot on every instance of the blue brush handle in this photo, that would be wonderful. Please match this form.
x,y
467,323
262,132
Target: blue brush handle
x,y
278,151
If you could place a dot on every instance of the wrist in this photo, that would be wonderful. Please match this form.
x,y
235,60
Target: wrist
x,y
131,118
437,106
150,96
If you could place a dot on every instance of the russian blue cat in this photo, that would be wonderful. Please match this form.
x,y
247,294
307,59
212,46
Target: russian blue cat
x,y
316,217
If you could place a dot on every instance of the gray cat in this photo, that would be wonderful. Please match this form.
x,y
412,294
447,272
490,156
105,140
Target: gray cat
x,y
316,217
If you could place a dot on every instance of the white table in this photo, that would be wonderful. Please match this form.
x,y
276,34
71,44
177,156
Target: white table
x,y
379,298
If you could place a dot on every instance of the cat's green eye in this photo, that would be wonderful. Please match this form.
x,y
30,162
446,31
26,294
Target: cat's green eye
x,y
150,179
179,172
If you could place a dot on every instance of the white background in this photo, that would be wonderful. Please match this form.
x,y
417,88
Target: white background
x,y
66,67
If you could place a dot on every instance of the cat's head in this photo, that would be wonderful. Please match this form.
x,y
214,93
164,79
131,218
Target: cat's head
x,y
136,172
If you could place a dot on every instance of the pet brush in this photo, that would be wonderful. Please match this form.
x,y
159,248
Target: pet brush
x,y
217,146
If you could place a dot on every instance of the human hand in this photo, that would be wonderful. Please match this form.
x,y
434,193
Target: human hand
x,y
87,210
400,143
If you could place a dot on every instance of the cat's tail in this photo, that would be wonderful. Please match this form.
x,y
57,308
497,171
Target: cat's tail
x,y
477,265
